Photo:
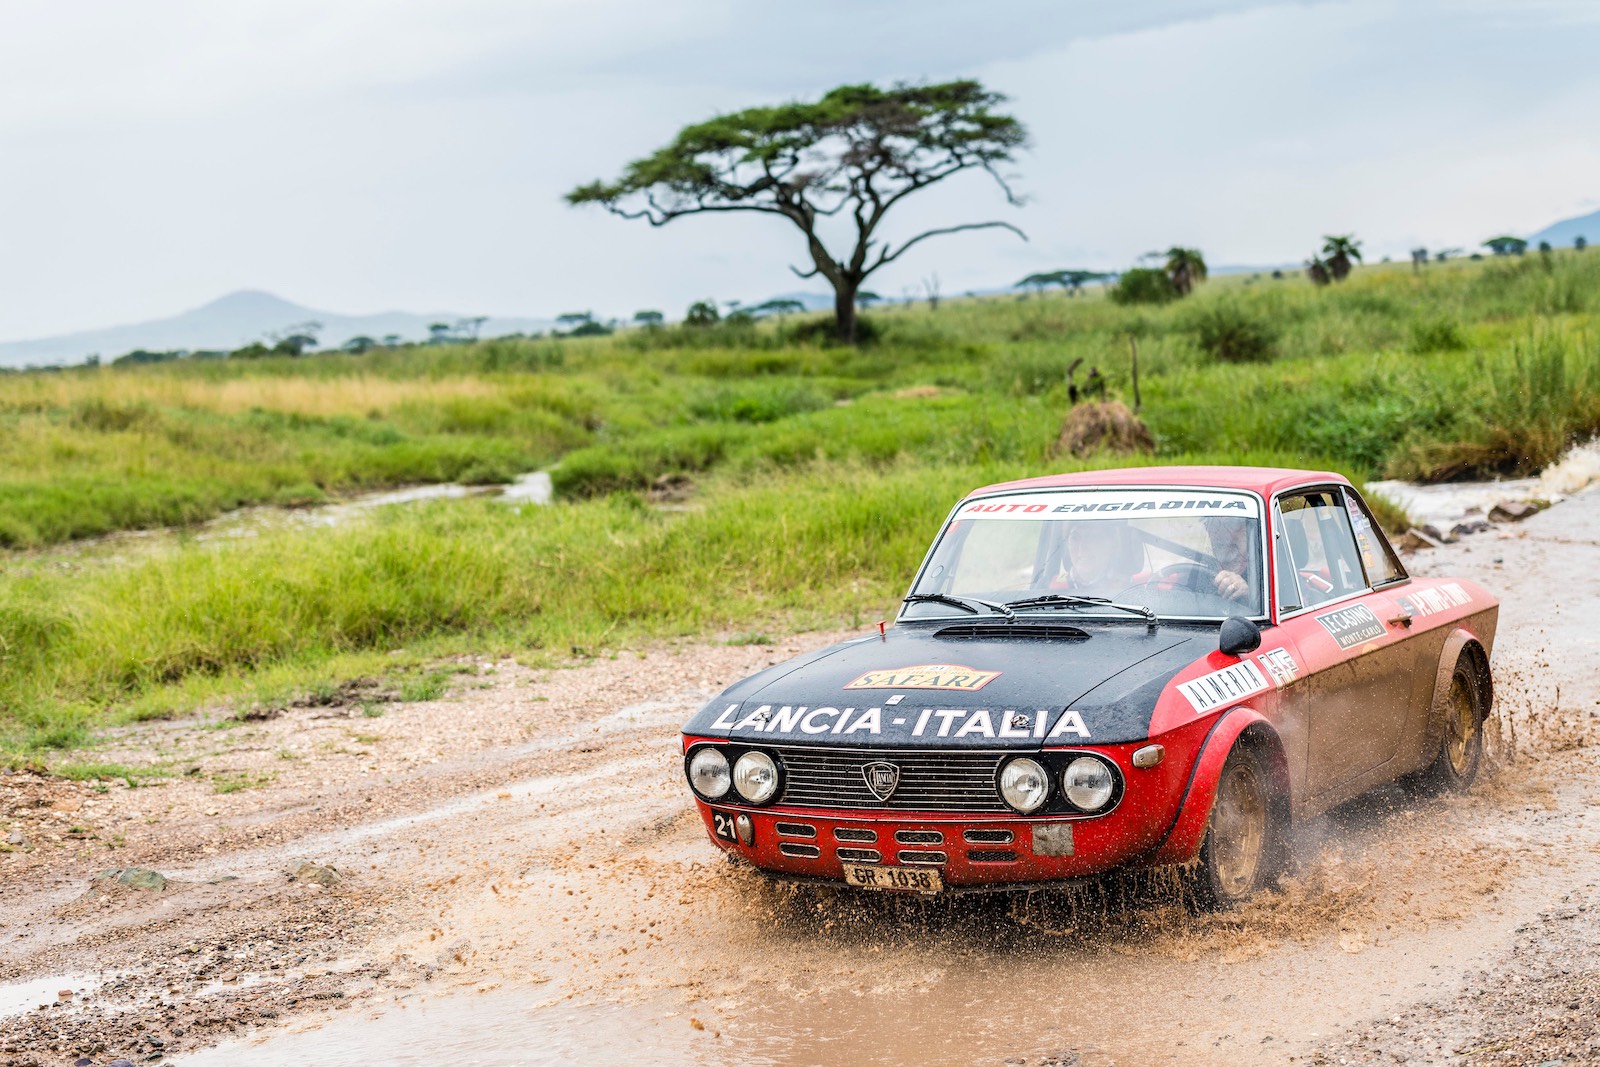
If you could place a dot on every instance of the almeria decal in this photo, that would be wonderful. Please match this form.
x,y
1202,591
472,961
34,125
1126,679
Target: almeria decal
x,y
1211,691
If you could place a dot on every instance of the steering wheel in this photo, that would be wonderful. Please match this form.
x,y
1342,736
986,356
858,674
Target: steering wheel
x,y
1194,576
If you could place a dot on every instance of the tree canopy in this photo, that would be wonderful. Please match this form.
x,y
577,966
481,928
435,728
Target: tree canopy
x,y
1343,251
1506,246
852,156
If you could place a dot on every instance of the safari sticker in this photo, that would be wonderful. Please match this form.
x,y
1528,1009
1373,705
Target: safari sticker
x,y
926,676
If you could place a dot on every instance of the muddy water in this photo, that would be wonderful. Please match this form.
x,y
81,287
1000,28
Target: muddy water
x,y
1444,505
532,489
583,916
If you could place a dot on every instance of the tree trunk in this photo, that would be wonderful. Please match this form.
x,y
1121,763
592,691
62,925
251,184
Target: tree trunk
x,y
844,311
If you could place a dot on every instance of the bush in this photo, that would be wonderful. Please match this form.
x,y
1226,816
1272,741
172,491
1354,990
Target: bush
x,y
1436,335
760,402
1229,334
1143,285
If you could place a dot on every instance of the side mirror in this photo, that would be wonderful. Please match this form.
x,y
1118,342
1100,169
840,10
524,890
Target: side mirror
x,y
1238,636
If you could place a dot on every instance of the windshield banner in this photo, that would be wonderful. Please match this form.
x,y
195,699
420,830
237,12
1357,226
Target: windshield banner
x,y
1113,504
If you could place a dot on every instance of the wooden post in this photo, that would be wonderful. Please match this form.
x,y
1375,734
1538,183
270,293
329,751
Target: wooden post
x,y
1133,353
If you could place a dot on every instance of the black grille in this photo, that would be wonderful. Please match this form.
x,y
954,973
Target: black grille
x,y
806,852
854,833
859,855
929,781
995,855
1038,632
796,829
988,837
907,855
919,837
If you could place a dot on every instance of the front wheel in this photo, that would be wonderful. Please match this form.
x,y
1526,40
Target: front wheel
x,y
1244,847
1461,748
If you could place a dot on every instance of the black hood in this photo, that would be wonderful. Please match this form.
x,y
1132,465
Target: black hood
x,y
964,685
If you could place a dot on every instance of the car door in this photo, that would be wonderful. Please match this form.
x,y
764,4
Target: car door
x,y
1352,637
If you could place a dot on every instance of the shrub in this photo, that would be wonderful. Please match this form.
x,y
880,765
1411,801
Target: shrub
x,y
1229,334
760,402
1143,285
1436,335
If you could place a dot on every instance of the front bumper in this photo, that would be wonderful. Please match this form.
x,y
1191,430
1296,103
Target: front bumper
x,y
970,851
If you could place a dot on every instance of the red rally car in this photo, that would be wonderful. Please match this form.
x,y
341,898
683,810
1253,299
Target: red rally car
x,y
1128,668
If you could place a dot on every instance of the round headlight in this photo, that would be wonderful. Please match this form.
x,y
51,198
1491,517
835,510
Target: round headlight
x,y
1025,785
755,776
1088,784
708,773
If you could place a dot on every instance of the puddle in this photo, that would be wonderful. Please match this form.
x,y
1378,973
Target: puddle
x,y
503,1028
529,490
403,827
19,997
1446,504
533,488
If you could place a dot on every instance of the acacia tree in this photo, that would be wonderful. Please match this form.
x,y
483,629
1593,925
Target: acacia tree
x,y
1506,246
850,156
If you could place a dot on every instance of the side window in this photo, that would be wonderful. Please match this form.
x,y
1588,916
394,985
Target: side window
x,y
1314,532
1377,556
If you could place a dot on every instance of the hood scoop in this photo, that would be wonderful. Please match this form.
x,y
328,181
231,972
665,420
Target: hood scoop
x,y
1050,631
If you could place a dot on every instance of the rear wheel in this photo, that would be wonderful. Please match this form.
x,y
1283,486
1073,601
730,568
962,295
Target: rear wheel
x,y
1243,850
1461,747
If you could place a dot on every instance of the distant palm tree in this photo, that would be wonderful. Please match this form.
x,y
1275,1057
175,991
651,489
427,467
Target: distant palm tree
x,y
1340,250
1186,267
1317,271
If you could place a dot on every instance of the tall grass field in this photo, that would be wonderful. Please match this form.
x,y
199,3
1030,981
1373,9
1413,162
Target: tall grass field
x,y
732,478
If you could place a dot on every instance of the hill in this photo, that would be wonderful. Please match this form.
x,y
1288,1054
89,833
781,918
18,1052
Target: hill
x,y
235,320
1561,234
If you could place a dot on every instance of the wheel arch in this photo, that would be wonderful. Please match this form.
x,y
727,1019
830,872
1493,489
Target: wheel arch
x,y
1237,726
1460,644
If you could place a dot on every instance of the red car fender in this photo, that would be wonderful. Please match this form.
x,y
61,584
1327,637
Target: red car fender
x,y
1188,829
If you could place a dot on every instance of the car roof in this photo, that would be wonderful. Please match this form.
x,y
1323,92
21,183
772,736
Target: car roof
x,y
1263,480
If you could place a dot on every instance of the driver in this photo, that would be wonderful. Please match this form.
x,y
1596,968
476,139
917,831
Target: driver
x,y
1232,545
1097,558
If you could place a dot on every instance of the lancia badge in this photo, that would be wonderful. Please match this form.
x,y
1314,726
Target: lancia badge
x,y
882,778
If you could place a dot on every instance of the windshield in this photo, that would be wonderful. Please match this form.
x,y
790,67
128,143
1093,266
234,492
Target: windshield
x,y
1180,553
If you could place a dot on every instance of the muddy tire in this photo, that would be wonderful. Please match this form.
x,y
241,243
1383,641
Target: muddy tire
x,y
1461,743
1245,847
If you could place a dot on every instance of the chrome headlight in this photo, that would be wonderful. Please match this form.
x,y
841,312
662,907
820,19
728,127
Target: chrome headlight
x,y
1088,783
1025,785
755,777
708,772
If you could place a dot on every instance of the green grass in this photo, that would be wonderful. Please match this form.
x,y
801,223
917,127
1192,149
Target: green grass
x,y
815,474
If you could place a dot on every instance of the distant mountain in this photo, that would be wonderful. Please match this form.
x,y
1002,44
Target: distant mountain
x,y
233,321
1561,234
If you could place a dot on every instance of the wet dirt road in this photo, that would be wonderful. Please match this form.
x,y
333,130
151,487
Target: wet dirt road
x,y
534,888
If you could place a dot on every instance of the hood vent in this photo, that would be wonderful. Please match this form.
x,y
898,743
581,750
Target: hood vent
x,y
1048,631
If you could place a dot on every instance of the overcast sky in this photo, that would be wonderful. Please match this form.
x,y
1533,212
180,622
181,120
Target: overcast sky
x,y
362,155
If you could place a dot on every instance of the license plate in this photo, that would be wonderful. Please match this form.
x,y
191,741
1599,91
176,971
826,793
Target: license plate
x,y
900,879
722,823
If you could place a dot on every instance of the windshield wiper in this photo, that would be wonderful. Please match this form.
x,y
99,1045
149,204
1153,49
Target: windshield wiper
x,y
963,602
1066,600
